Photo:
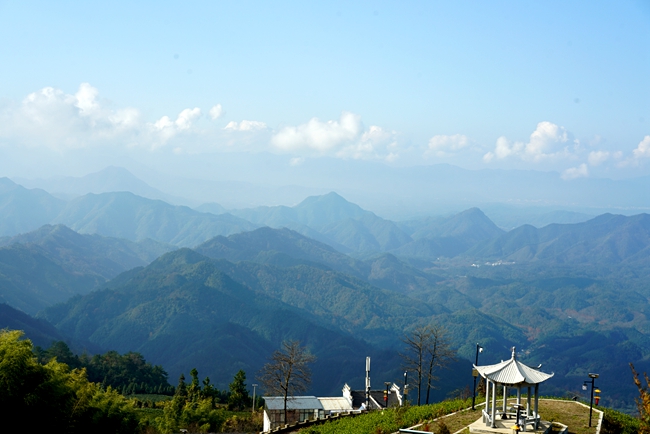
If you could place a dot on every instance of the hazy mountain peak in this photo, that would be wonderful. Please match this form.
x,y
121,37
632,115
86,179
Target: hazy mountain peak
x,y
317,211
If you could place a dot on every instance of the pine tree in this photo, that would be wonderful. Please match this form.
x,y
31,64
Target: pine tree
x,y
238,399
181,389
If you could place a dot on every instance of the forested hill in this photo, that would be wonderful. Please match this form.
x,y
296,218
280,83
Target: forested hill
x,y
184,309
571,296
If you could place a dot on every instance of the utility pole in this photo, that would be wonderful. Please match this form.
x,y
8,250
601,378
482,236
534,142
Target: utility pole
x,y
254,386
591,401
479,349
367,383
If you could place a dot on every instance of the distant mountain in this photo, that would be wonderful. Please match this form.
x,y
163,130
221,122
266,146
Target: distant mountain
x,y
108,180
606,239
332,219
287,248
511,217
89,254
282,247
434,237
185,310
23,210
211,207
125,215
31,281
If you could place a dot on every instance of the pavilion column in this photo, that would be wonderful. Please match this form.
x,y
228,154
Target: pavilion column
x,y
528,404
536,404
505,398
487,395
519,395
494,404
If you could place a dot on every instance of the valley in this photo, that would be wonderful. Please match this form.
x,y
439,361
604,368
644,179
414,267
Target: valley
x,y
220,291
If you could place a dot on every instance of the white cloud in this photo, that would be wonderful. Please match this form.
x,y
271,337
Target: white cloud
x,y
504,149
643,149
51,118
576,172
60,121
343,138
596,158
321,136
245,126
548,141
442,146
86,99
167,128
216,112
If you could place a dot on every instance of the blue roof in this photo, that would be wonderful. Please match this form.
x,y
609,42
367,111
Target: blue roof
x,y
293,403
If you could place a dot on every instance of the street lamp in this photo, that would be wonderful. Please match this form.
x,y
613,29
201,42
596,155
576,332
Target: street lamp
x,y
254,386
406,377
387,383
479,349
591,401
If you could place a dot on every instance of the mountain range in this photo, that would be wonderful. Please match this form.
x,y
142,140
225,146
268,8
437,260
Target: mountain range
x,y
344,280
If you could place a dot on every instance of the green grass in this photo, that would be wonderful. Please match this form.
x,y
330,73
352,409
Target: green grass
x,y
390,420
567,412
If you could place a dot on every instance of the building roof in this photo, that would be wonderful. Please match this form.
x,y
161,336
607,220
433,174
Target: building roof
x,y
335,404
512,372
293,403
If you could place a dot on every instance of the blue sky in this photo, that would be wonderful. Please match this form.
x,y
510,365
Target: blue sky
x,y
554,85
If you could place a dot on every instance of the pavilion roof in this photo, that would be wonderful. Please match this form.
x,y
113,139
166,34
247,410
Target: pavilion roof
x,y
512,372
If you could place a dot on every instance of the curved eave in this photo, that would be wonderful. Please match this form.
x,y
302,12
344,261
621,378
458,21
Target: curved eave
x,y
512,372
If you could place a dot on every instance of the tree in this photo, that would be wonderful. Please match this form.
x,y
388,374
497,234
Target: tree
x,y
643,401
427,349
288,372
238,398
62,400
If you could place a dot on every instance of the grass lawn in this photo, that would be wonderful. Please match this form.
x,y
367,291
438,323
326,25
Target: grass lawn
x,y
569,413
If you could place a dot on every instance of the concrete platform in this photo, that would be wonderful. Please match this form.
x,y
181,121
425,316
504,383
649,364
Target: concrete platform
x,y
505,427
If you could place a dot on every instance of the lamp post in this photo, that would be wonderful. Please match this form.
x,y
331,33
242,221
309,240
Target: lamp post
x,y
406,377
254,386
591,401
387,383
479,349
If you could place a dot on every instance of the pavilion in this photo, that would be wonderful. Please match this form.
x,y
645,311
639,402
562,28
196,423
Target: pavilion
x,y
511,374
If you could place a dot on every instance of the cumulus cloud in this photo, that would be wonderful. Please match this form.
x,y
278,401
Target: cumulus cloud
x,y
548,141
643,149
216,112
596,158
344,138
442,146
321,136
580,171
168,128
50,117
245,126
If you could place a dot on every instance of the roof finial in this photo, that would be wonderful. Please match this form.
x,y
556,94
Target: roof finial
x,y
514,353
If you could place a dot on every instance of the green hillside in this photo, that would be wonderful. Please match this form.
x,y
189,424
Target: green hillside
x,y
31,281
125,215
89,254
183,311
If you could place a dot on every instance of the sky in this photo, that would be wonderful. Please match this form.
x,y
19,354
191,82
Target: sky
x,y
548,86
